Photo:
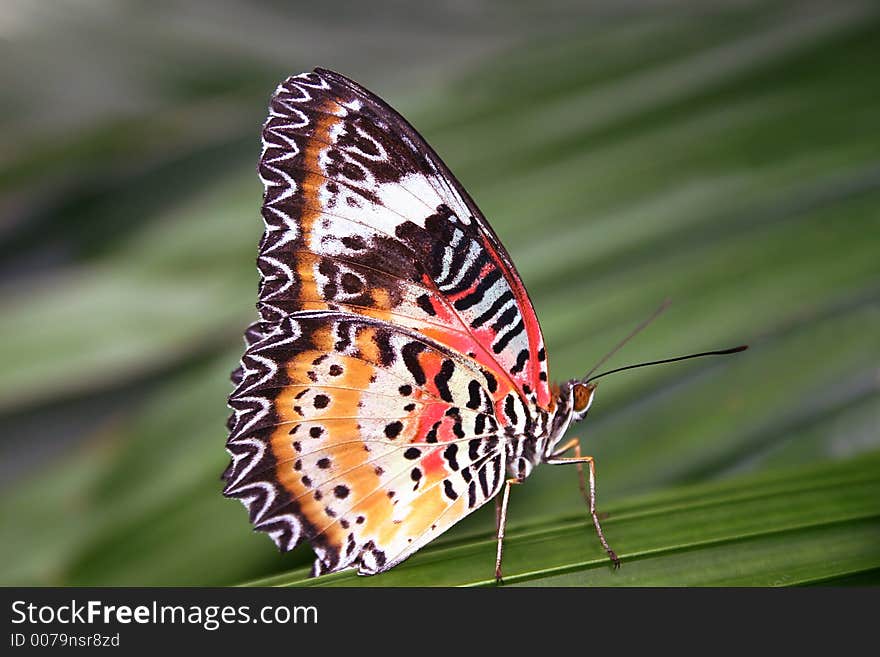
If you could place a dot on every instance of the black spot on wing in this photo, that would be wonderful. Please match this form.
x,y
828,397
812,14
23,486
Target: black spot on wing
x,y
474,449
431,436
496,472
473,394
424,302
449,454
410,352
355,243
387,355
442,380
521,359
393,429
472,494
482,475
351,284
510,409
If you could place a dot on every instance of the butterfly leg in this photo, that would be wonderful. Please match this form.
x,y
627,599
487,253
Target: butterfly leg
x,y
501,523
589,494
575,444
582,482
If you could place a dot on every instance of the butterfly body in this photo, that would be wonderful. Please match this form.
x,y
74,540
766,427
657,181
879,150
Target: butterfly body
x,y
396,376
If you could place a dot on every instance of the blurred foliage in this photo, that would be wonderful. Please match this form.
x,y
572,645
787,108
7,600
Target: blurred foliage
x,y
802,526
725,157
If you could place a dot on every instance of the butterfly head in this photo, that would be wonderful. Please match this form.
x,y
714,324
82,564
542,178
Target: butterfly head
x,y
573,400
582,395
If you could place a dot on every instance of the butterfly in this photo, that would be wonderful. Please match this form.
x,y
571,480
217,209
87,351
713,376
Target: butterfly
x,y
396,379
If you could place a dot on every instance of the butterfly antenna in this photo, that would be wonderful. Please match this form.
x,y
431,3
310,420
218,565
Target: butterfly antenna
x,y
720,352
638,329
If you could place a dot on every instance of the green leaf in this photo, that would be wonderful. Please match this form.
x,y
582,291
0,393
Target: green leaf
x,y
793,527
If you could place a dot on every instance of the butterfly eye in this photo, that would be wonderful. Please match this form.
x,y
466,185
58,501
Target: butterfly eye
x,y
583,396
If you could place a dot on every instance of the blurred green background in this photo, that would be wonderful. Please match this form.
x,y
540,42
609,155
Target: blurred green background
x,y
723,154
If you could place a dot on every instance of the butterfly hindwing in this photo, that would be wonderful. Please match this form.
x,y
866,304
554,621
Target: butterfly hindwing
x,y
368,449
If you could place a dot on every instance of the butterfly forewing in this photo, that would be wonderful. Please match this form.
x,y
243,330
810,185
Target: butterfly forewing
x,y
361,212
369,407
